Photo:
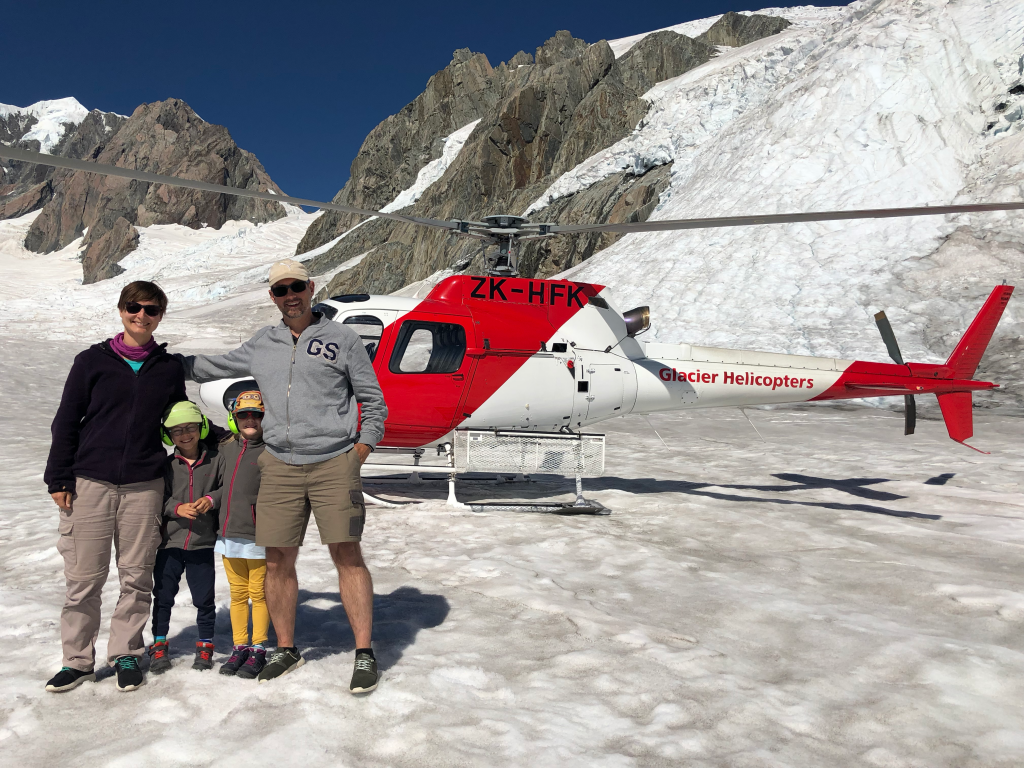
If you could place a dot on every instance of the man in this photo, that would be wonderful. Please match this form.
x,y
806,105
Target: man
x,y
312,373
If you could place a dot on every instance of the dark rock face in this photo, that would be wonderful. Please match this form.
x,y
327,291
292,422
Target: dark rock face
x,y
540,116
395,151
164,137
26,187
661,56
734,29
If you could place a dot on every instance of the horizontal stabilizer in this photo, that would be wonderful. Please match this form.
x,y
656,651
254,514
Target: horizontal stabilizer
x,y
965,358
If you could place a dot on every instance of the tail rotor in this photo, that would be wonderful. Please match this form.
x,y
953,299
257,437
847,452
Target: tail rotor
x,y
910,420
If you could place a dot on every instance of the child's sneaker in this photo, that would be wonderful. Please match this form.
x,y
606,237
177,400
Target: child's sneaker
x,y
239,654
159,657
204,656
129,675
282,662
69,678
254,664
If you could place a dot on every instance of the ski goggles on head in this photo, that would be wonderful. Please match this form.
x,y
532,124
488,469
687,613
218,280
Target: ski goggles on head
x,y
280,291
133,308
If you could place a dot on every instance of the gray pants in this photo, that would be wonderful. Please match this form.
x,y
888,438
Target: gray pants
x,y
102,513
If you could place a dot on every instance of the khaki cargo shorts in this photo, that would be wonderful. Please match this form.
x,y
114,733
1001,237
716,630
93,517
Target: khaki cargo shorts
x,y
331,489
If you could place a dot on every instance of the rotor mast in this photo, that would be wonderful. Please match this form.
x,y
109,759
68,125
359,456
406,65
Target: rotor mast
x,y
504,231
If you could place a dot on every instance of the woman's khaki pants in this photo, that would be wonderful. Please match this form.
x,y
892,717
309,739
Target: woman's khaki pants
x,y
127,516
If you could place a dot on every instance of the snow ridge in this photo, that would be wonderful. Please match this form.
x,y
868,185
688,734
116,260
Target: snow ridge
x,y
433,170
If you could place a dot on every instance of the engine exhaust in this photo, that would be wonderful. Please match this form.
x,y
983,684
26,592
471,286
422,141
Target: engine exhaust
x,y
637,320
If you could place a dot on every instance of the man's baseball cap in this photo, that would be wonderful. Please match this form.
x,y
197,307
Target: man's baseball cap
x,y
250,400
288,268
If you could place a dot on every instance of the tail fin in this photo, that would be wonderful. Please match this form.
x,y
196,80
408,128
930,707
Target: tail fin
x,y
956,412
965,358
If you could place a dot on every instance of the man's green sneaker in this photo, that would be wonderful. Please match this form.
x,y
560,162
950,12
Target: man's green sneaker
x,y
364,676
281,662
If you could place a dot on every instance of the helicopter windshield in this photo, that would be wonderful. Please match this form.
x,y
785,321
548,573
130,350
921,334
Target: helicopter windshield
x,y
369,329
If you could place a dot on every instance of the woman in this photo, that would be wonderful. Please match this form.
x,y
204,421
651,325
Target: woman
x,y
105,472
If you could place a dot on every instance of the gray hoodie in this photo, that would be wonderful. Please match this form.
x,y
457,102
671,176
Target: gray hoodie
x,y
310,388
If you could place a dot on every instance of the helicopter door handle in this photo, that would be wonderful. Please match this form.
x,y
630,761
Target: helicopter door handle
x,y
458,377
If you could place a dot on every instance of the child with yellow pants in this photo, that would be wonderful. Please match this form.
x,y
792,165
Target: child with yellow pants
x,y
244,563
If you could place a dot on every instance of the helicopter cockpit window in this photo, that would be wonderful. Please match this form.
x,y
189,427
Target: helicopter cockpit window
x,y
427,347
369,329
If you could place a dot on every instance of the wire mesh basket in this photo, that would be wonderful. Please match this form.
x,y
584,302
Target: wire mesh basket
x,y
556,453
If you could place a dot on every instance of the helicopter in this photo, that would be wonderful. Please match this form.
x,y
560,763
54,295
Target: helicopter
x,y
504,352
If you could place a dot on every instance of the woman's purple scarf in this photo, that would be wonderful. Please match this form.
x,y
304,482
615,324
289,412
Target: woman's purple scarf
x,y
132,353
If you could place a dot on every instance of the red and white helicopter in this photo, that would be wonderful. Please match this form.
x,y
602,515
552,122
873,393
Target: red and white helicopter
x,y
502,352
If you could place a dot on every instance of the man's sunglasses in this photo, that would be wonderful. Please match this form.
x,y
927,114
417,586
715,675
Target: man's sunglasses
x,y
133,308
280,291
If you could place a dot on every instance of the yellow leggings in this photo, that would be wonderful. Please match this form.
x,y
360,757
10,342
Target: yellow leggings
x,y
246,580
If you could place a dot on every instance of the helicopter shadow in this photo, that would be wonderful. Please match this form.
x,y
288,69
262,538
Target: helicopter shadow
x,y
853,486
322,629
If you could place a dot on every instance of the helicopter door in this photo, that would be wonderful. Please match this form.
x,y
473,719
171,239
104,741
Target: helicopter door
x,y
426,375
605,396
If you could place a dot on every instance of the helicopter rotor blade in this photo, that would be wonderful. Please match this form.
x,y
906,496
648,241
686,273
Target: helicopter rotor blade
x,y
889,338
782,218
910,405
910,418
27,156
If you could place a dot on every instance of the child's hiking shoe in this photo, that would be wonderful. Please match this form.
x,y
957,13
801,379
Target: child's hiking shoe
x,y
69,678
204,656
129,674
239,654
159,657
364,676
283,661
254,664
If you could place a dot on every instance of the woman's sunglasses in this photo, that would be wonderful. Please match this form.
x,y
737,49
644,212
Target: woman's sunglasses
x,y
133,308
280,291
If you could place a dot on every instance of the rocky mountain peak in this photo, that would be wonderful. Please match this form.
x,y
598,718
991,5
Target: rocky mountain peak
x,y
561,47
165,137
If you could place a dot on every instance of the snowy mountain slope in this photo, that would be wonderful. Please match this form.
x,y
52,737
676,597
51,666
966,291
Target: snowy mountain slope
x,y
52,119
894,104
799,16
215,280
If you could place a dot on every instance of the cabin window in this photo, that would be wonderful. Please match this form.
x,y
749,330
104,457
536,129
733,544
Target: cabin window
x,y
369,329
427,347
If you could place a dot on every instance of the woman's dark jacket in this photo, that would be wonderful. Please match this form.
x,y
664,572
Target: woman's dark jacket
x,y
241,487
108,424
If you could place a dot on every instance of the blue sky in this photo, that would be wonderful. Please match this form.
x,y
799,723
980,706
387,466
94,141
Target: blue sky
x,y
298,84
